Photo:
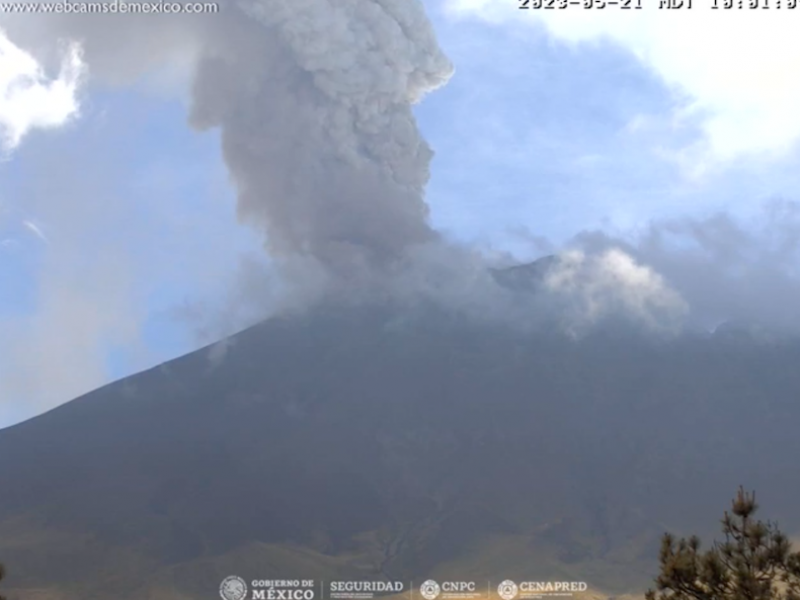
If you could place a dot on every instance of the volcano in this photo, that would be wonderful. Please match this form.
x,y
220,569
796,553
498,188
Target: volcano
x,y
381,444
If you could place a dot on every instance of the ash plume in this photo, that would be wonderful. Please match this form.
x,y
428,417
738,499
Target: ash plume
x,y
318,133
313,101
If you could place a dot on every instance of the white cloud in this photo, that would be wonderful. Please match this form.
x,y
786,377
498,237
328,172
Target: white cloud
x,y
28,98
36,230
741,67
593,287
723,267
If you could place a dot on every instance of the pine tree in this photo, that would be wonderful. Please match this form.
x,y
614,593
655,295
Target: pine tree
x,y
755,562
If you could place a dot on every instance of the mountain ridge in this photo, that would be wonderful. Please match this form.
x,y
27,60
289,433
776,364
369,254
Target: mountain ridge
x,y
389,444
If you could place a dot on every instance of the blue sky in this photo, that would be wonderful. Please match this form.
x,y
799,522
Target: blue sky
x,y
548,128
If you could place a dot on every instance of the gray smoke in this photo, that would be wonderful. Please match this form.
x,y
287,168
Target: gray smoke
x,y
313,99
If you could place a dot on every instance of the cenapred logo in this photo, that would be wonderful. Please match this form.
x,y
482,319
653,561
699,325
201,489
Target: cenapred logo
x,y
233,588
507,590
540,589
430,590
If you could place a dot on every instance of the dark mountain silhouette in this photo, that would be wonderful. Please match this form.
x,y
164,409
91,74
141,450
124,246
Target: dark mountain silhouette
x,y
373,443
526,277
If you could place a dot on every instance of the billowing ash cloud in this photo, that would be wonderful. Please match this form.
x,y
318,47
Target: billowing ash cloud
x,y
318,131
313,99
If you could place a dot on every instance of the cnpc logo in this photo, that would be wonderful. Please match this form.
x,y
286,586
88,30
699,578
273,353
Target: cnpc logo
x,y
431,589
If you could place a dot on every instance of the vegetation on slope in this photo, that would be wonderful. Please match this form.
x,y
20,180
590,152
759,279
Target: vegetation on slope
x,y
755,562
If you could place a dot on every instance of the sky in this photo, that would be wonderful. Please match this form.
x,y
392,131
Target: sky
x,y
672,134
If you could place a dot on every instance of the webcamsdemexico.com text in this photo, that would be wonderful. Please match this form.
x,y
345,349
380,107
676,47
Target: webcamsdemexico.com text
x,y
112,7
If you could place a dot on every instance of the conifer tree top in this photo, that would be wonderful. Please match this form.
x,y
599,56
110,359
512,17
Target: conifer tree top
x,y
754,562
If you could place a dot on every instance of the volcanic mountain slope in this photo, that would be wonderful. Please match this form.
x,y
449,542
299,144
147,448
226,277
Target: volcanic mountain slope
x,y
375,444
